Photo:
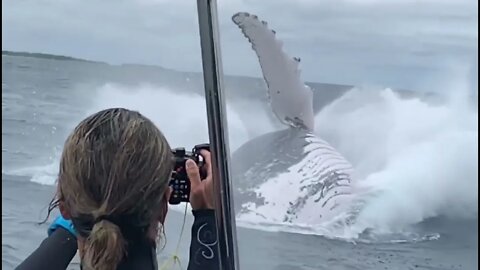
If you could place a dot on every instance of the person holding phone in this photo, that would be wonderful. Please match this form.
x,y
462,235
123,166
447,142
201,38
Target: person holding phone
x,y
113,192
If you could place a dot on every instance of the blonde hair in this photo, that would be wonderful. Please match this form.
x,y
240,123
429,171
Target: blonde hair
x,y
114,171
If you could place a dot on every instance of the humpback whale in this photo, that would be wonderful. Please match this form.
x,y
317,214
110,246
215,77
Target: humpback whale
x,y
289,176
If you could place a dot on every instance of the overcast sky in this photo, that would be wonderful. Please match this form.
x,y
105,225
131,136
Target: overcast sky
x,y
397,43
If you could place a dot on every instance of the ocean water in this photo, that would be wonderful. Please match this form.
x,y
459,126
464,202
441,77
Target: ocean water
x,y
419,154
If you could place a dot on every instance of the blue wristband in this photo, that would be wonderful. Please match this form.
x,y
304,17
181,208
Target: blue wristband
x,y
61,222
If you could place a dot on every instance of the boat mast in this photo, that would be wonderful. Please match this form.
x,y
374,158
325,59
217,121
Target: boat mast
x,y
218,133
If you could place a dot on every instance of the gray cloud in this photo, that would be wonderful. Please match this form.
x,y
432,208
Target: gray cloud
x,y
409,44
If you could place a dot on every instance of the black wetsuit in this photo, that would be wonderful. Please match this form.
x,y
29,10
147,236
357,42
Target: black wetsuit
x,y
56,251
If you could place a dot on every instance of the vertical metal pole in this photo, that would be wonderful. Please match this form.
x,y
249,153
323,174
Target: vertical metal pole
x,y
218,132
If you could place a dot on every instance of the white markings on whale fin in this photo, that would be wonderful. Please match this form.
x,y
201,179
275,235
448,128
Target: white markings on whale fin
x,y
290,98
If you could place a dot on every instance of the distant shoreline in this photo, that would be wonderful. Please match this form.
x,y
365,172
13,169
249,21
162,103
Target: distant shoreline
x,y
49,56
314,85
69,58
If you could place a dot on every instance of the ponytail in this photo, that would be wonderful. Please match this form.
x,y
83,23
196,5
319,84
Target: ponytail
x,y
105,247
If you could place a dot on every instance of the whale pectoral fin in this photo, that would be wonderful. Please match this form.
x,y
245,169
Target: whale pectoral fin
x,y
290,98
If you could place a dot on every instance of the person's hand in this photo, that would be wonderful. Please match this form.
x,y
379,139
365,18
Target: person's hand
x,y
201,191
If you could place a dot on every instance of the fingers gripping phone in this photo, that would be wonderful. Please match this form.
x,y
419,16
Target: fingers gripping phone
x,y
179,181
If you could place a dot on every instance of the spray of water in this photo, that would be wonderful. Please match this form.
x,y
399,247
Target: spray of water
x,y
419,159
180,116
